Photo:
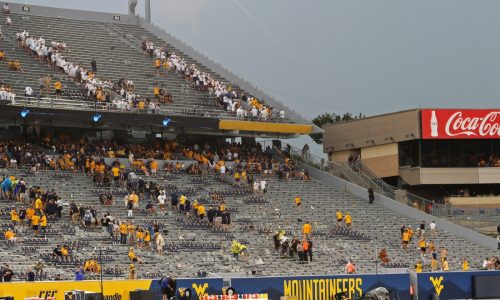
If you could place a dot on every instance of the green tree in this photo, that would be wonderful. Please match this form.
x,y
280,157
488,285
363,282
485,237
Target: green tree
x,y
330,118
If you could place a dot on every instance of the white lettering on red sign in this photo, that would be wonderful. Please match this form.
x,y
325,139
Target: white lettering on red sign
x,y
473,126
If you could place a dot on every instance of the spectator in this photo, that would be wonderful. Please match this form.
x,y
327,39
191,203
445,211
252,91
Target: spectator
x,y
10,236
405,239
432,227
307,230
444,265
79,272
419,267
58,88
28,91
6,8
31,275
339,217
8,274
160,243
2,53
309,249
300,251
15,65
348,220
39,266
384,258
350,268
93,64
132,272
371,195
297,200
168,287
8,21
465,265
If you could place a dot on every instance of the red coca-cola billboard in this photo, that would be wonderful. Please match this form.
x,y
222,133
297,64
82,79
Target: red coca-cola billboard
x,y
460,123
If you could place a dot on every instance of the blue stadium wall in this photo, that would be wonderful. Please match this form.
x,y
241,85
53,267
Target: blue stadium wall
x,y
447,285
322,287
454,285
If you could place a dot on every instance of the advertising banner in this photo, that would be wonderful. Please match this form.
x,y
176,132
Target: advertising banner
x,y
460,123
449,285
323,287
113,289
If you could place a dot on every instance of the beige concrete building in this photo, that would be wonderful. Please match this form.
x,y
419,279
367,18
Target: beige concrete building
x,y
434,151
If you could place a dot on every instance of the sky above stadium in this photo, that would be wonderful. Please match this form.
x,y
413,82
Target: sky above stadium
x,y
355,56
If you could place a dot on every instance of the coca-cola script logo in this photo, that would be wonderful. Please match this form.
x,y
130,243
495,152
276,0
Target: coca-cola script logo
x,y
488,125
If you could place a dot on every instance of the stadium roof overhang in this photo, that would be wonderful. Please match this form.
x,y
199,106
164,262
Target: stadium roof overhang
x,y
52,117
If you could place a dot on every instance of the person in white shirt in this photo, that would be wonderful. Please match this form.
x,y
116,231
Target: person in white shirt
x,y
240,113
255,112
222,170
28,91
6,8
160,243
282,114
256,186
8,21
161,200
432,226
263,185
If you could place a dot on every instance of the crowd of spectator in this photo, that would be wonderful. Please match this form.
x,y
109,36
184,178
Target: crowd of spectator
x,y
240,104
94,87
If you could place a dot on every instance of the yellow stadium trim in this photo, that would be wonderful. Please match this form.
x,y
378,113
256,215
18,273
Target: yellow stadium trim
x,y
265,126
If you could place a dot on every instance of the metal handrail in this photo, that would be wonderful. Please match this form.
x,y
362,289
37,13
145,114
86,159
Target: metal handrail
x,y
358,173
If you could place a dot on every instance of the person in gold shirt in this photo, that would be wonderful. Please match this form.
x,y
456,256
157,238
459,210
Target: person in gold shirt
x,y
201,211
10,236
116,175
419,267
434,264
131,272
65,251
133,257
147,239
182,202
58,87
135,200
29,214
156,92
307,230
139,236
43,223
38,204
35,222
465,265
348,219
444,265
14,216
338,216
297,200
123,233
154,168
406,239
422,245
157,66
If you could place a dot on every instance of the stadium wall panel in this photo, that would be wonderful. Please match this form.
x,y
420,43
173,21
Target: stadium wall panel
x,y
322,287
113,289
449,285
